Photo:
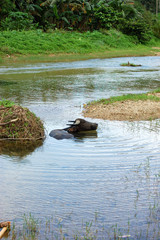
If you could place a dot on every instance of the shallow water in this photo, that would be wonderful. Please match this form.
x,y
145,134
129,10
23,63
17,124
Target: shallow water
x,y
109,178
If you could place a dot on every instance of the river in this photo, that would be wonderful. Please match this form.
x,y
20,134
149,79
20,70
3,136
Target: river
x,y
101,183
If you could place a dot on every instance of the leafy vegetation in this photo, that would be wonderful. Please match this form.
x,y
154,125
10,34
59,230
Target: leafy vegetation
x,y
21,42
59,41
17,20
82,15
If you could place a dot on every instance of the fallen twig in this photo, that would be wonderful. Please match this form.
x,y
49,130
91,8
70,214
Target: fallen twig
x,y
14,120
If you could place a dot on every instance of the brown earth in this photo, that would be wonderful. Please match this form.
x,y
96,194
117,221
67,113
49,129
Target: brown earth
x,y
124,111
158,52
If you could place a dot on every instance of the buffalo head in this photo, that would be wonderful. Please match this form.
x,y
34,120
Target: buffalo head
x,y
80,125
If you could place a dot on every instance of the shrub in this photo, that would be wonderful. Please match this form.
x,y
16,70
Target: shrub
x,y
156,28
17,21
136,28
129,11
105,17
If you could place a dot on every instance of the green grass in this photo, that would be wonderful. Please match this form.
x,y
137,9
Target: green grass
x,y
6,103
156,90
97,43
131,97
36,42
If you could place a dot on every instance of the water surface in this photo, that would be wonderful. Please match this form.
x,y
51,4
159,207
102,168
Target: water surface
x,y
108,178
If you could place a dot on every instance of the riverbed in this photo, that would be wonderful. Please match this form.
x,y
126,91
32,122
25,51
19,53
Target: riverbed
x,y
108,179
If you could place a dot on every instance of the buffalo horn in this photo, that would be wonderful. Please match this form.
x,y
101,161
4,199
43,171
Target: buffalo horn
x,y
77,122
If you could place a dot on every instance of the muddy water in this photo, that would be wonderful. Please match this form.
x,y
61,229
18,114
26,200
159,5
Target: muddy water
x,y
110,178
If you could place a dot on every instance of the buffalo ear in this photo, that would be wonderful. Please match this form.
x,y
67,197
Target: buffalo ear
x,y
77,122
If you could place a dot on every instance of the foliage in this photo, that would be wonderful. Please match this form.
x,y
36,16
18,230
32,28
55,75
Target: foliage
x,y
71,14
62,41
129,12
6,6
149,4
156,28
81,15
17,21
137,28
105,17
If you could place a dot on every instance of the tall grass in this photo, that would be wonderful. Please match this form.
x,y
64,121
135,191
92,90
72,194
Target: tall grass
x,y
38,42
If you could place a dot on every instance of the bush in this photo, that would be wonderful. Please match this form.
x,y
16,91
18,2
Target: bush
x,y
156,28
17,21
6,6
136,28
105,17
129,11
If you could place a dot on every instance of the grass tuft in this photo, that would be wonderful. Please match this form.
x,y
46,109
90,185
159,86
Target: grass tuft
x,y
6,103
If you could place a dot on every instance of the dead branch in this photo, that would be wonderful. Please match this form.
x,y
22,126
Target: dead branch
x,y
14,120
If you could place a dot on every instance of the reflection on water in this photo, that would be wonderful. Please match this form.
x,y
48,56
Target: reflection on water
x,y
19,148
111,176
4,83
49,82
83,135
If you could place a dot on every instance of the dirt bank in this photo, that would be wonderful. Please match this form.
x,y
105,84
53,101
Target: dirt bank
x,y
125,110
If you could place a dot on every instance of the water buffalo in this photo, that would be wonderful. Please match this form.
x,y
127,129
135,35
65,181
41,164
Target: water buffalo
x,y
79,125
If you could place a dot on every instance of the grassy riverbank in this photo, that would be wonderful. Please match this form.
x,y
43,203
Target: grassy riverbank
x,y
130,97
58,45
130,107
